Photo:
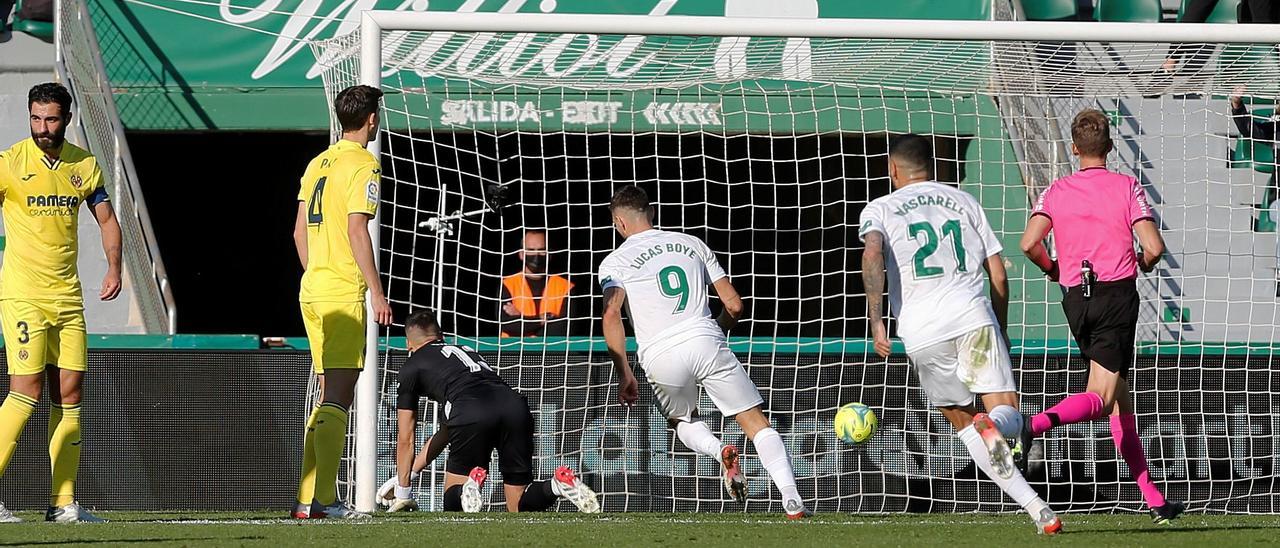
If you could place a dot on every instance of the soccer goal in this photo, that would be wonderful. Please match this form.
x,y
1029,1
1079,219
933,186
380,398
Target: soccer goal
x,y
765,138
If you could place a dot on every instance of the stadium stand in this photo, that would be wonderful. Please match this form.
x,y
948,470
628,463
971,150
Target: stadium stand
x,y
34,27
1050,10
1257,154
196,391
1225,11
1128,11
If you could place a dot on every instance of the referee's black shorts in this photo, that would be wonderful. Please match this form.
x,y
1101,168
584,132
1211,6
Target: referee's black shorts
x,y
484,420
1106,323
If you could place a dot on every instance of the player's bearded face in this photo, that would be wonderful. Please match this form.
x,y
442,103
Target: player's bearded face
x,y
48,126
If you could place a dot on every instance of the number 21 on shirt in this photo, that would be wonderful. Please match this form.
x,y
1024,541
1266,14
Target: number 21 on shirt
x,y
927,237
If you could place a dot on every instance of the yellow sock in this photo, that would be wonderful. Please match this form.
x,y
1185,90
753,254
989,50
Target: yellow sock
x,y
64,452
330,439
307,480
14,413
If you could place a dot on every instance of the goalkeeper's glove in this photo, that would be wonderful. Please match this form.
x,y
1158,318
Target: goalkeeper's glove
x,y
387,492
404,501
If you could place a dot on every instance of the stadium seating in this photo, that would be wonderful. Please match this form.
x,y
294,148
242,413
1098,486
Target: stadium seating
x,y
960,10
1224,12
1128,11
1049,10
1264,221
1260,155
40,29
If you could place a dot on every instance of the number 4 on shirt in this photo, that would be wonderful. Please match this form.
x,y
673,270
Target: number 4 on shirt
x,y
315,215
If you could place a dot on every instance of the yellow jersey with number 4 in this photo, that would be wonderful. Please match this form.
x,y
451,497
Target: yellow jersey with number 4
x,y
339,182
42,202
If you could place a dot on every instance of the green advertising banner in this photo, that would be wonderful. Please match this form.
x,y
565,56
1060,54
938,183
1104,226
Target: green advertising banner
x,y
733,112
245,64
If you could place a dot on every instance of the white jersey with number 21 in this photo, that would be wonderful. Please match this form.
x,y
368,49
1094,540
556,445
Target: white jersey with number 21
x,y
665,275
937,240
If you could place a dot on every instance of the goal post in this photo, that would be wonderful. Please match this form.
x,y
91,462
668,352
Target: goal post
x,y
368,397
766,137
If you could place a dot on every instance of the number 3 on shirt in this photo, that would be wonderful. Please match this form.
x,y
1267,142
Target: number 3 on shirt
x,y
315,215
930,245
675,284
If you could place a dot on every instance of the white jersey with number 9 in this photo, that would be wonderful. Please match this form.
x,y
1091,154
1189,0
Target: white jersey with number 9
x,y
665,275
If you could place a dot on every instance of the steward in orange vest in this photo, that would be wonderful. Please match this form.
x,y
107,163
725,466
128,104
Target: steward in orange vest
x,y
531,298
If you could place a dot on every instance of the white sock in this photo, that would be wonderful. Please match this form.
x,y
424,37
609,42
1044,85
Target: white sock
x,y
773,455
696,436
1016,486
555,488
1008,420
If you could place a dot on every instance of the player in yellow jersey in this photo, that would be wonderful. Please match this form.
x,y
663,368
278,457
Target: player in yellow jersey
x,y
44,181
338,198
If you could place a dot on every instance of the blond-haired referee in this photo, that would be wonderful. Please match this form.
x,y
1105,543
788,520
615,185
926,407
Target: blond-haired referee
x,y
338,198
1094,214
44,180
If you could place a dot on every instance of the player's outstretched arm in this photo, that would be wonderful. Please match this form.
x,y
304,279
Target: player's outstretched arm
x,y
362,249
431,449
999,290
1033,245
873,283
732,304
110,226
300,233
407,429
429,452
1152,244
615,338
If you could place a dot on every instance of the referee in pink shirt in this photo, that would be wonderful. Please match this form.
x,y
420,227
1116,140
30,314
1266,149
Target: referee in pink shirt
x,y
1094,214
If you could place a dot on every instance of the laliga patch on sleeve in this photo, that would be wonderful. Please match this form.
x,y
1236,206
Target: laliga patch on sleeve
x,y
371,193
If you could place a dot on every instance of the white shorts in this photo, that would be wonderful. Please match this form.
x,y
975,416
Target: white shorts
x,y
951,372
677,372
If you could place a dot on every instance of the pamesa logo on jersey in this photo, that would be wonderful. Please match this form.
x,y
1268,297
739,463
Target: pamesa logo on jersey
x,y
51,205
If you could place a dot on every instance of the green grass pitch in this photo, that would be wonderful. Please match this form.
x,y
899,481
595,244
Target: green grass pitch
x,y
676,530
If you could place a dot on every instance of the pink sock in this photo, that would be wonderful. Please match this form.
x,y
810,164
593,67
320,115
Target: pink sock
x,y
1124,431
1085,406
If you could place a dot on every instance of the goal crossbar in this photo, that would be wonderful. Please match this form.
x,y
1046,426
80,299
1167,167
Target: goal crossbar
x,y
900,29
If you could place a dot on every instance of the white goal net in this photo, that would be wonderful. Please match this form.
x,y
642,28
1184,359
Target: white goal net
x,y
767,148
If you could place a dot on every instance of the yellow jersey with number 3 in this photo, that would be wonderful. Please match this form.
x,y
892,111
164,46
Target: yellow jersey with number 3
x,y
339,182
42,202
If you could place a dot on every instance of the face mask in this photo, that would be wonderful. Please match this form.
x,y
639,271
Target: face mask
x,y
536,263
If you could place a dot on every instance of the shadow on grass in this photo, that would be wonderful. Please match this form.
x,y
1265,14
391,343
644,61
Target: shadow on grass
x,y
123,540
